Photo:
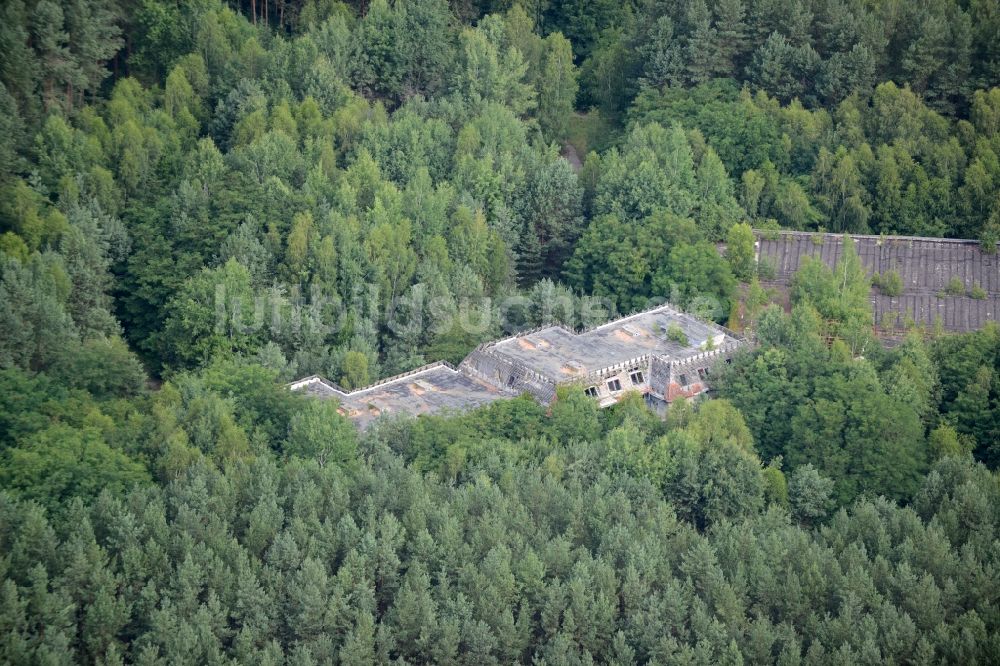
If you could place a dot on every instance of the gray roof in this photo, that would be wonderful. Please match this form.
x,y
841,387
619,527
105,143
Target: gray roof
x,y
926,265
534,362
563,355
433,388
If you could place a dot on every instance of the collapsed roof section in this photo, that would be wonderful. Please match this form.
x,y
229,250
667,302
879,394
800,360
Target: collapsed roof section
x,y
662,353
434,388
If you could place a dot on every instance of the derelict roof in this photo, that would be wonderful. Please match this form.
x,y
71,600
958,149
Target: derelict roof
x,y
434,388
561,354
925,265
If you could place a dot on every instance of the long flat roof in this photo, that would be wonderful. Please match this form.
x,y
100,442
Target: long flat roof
x,y
562,355
434,388
551,355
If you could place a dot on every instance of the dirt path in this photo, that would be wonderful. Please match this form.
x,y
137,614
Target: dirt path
x,y
571,156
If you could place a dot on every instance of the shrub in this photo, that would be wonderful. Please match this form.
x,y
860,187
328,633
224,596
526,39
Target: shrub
x,y
977,292
889,283
955,287
676,333
990,237
765,269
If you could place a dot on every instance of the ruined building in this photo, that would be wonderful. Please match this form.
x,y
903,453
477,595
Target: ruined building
x,y
946,283
662,353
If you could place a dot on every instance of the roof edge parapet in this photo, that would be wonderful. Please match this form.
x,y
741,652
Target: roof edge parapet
x,y
528,372
311,379
764,233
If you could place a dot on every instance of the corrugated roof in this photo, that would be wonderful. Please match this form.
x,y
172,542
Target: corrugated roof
x,y
925,265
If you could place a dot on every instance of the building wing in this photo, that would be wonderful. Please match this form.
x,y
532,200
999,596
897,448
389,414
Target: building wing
x,y
662,353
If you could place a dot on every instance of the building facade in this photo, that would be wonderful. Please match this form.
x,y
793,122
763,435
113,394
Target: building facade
x,y
662,353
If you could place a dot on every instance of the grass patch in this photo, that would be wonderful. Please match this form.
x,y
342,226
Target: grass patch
x,y
590,131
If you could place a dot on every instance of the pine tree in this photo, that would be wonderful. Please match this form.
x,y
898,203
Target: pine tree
x,y
308,601
730,32
359,645
11,134
529,258
662,56
774,68
20,68
88,247
985,55
94,39
429,45
413,614
379,65
58,71
703,60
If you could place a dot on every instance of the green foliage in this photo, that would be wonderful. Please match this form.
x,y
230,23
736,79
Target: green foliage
x,y
955,286
775,484
491,71
618,259
402,49
104,367
35,327
676,334
967,369
499,544
842,167
60,463
711,483
453,345
818,405
31,402
740,251
261,406
278,189
945,441
889,283
633,261
355,369
810,495
574,416
588,133
212,314
557,87
654,170
319,432
840,296
698,279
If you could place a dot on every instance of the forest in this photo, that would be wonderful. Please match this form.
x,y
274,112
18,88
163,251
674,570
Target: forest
x,y
202,200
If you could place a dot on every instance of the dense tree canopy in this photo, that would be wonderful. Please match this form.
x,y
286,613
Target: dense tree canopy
x,y
203,200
